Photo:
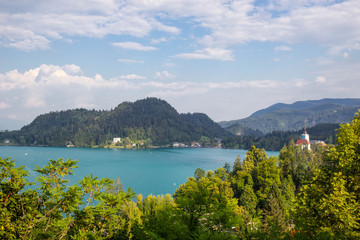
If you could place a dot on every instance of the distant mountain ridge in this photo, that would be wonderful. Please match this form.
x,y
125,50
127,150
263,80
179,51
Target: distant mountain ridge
x,y
349,102
292,117
149,119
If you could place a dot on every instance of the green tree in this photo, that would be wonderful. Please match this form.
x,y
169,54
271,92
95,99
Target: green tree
x,y
204,141
330,202
263,193
160,218
266,175
274,221
199,173
207,207
94,209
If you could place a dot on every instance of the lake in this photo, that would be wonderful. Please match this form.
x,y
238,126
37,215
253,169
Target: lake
x,y
156,171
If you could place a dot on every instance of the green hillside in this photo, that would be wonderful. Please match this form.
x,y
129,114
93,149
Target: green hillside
x,y
150,119
291,117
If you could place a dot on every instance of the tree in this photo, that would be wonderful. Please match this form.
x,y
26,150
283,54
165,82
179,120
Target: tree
x,y
330,202
263,193
274,221
266,175
199,173
41,213
55,210
204,141
160,218
207,207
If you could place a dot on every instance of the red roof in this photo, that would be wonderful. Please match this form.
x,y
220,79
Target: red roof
x,y
302,141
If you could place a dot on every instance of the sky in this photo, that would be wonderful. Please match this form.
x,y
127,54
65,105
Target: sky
x,y
227,59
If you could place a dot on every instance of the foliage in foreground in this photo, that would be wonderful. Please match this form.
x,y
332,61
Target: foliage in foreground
x,y
301,195
99,208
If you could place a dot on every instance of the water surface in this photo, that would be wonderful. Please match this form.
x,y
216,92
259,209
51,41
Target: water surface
x,y
156,171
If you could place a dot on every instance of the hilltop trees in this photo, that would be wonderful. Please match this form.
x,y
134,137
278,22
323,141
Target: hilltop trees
x,y
152,120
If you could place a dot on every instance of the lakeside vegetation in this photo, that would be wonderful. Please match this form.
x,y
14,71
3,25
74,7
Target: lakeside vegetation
x,y
150,120
274,141
299,195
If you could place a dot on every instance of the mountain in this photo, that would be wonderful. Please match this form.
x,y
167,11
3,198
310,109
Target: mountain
x,y
149,119
239,130
292,117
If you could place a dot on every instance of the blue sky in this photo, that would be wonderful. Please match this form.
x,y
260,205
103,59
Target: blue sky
x,y
227,59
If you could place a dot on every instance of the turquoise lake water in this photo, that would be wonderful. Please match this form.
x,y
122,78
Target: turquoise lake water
x,y
156,171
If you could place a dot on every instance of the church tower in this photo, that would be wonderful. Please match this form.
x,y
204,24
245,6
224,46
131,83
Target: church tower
x,y
304,140
305,135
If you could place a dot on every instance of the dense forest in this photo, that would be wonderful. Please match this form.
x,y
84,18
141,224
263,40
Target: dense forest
x,y
299,195
151,119
274,141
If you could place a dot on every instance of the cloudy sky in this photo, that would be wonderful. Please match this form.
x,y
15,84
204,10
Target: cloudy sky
x,y
223,58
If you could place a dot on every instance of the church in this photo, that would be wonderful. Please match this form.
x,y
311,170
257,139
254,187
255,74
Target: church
x,y
304,140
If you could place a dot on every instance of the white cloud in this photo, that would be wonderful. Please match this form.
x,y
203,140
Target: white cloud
x,y
29,25
299,82
334,25
324,61
320,79
4,105
282,48
134,46
72,69
51,75
164,75
342,78
35,101
345,55
159,40
208,53
132,77
281,5
13,35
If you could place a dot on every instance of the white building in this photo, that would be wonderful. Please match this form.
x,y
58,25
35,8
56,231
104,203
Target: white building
x,y
304,140
115,140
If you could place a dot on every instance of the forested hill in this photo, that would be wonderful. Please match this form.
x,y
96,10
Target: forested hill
x,y
150,119
274,141
291,117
